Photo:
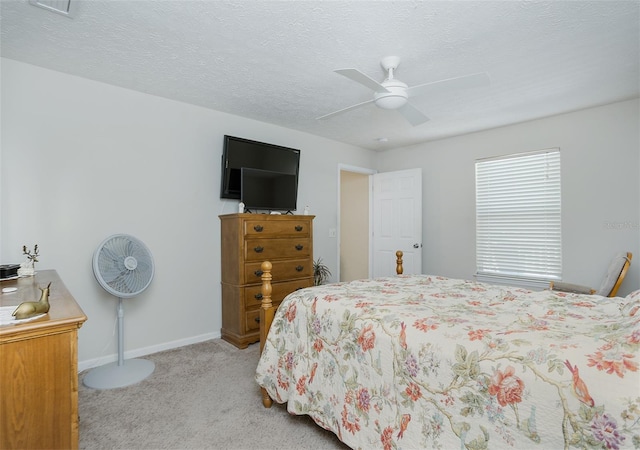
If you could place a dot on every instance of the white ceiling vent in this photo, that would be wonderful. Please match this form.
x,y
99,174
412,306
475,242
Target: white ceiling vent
x,y
57,6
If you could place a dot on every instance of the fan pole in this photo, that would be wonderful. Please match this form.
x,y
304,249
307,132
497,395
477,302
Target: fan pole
x,y
120,332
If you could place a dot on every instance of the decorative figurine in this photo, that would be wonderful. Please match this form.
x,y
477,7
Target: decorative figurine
x,y
29,309
27,268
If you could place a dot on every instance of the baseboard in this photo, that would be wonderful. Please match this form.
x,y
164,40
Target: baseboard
x,y
91,363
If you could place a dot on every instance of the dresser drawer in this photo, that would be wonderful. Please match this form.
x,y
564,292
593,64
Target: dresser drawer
x,y
268,228
253,294
268,249
282,270
253,320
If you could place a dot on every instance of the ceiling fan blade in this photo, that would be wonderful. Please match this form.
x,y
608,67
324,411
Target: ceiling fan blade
x,y
363,79
463,82
412,114
340,111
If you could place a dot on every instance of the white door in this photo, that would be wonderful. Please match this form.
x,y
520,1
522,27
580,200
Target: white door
x,y
397,221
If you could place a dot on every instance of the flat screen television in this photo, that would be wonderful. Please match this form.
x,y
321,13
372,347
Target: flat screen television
x,y
238,153
266,189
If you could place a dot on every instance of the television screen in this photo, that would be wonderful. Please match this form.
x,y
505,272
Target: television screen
x,y
238,153
265,189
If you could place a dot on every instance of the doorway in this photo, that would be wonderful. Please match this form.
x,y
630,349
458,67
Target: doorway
x,y
388,203
354,219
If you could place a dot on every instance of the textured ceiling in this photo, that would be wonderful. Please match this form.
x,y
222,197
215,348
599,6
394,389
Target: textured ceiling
x,y
273,61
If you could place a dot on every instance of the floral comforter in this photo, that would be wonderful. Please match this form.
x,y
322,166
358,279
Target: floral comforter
x,y
416,362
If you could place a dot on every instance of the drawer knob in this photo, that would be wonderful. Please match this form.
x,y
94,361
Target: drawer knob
x,y
298,227
258,319
258,273
299,247
258,296
258,249
258,228
299,268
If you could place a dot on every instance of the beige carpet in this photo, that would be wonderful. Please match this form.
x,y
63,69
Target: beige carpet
x,y
201,396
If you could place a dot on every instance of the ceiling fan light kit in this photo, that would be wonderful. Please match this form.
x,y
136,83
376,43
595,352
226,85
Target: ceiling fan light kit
x,y
393,94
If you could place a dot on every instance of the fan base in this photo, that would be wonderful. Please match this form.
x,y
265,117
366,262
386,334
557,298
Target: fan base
x,y
112,375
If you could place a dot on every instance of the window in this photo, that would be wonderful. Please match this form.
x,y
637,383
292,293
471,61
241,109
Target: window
x,y
518,226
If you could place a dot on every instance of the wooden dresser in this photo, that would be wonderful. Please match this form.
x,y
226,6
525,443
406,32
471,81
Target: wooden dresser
x,y
39,369
247,240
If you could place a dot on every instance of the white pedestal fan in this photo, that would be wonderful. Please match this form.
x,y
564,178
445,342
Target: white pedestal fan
x,y
124,267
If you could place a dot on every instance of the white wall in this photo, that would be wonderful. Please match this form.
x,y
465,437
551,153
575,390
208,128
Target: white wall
x,y
82,160
600,156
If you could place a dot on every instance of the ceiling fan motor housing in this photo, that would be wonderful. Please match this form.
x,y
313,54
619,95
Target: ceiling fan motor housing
x,y
395,97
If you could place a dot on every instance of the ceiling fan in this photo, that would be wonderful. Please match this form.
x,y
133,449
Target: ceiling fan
x,y
394,94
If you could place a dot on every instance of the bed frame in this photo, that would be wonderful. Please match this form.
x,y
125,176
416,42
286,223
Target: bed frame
x,y
267,310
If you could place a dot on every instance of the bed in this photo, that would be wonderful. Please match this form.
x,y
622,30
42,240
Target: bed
x,y
419,361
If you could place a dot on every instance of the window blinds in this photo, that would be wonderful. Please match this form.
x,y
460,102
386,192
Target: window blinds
x,y
518,226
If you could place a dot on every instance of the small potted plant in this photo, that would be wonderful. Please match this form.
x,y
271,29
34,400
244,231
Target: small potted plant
x,y
321,272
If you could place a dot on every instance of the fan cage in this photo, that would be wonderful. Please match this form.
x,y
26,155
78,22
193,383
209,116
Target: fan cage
x,y
123,265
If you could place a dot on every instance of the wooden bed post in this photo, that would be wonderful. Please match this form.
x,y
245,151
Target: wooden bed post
x,y
399,268
266,317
